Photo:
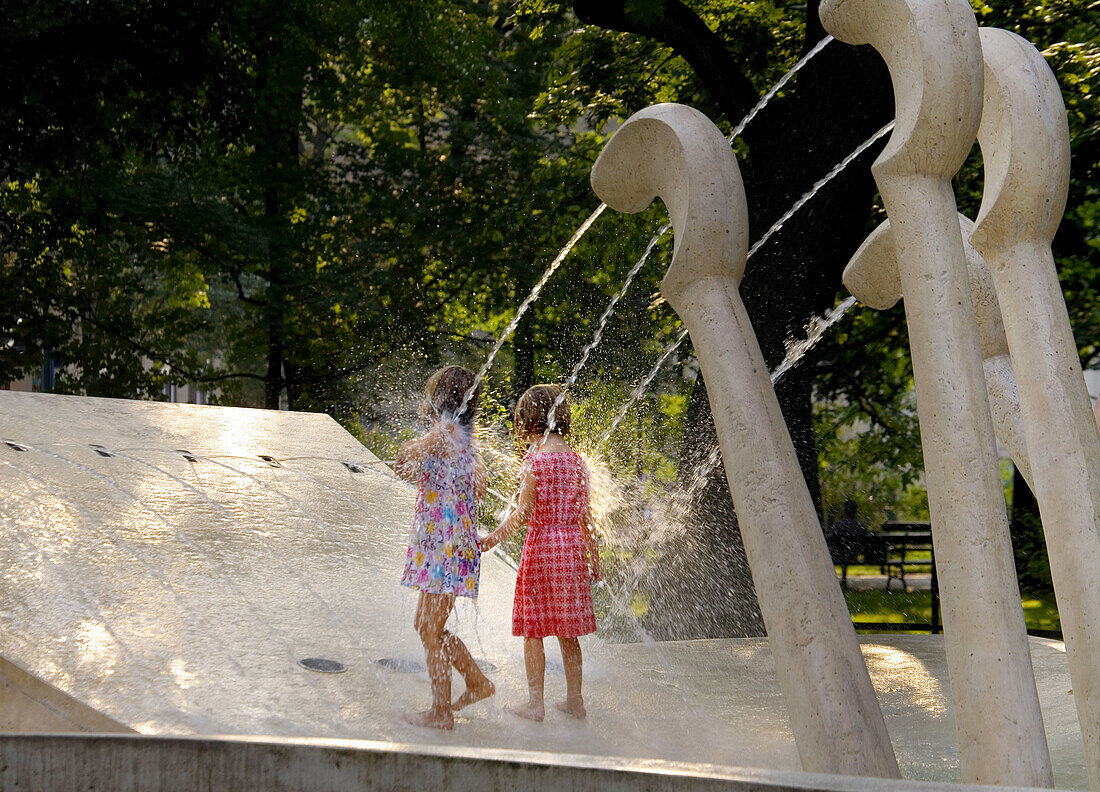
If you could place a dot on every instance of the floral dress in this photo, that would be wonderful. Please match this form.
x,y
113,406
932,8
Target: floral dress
x,y
443,555
553,589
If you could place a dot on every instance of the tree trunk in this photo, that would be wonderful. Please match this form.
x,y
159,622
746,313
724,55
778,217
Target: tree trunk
x,y
279,158
841,98
702,586
276,299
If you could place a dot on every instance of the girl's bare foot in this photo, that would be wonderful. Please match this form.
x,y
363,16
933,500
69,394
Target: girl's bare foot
x,y
474,694
432,719
574,708
529,710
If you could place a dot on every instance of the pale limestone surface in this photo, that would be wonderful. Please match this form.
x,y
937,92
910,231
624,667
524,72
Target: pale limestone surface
x,y
136,763
176,597
1024,138
908,671
934,56
675,153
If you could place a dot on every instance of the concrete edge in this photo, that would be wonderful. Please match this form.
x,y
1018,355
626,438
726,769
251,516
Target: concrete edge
x,y
27,703
128,763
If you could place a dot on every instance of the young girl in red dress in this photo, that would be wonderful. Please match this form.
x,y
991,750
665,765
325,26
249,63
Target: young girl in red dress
x,y
553,589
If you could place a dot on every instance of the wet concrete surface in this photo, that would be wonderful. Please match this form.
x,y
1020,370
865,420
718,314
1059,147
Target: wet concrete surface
x,y
175,584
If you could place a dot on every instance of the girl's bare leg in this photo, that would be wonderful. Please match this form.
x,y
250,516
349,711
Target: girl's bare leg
x,y
432,611
534,657
478,685
571,659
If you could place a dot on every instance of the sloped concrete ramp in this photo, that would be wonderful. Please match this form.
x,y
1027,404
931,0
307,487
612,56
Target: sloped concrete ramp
x,y
165,567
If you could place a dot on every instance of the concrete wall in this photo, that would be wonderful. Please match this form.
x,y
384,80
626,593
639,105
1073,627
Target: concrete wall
x,y
60,763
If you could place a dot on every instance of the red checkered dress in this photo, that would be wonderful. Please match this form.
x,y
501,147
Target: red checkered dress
x,y
553,592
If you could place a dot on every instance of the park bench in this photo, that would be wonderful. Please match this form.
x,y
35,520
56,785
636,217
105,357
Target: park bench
x,y
893,549
898,541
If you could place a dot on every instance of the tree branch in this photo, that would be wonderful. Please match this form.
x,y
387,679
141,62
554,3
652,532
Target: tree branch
x,y
679,27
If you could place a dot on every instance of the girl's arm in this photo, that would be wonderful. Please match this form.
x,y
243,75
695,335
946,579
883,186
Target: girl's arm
x,y
525,504
412,453
481,477
409,457
591,544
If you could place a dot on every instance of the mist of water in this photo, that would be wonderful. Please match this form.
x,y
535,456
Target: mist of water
x,y
767,97
507,332
632,524
523,306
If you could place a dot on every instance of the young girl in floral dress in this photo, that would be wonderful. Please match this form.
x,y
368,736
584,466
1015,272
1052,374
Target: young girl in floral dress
x,y
443,560
553,588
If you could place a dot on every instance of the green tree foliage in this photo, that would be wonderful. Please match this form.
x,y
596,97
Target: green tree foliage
x,y
269,197
309,199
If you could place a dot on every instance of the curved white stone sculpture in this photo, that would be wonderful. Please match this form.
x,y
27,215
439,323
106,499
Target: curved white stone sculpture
x,y
676,153
932,50
1025,143
872,277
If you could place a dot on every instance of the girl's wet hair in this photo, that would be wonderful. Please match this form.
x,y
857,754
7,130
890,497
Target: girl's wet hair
x,y
532,415
444,392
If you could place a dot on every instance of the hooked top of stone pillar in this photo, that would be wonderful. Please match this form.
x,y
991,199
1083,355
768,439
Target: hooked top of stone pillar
x,y
872,278
1024,137
675,153
932,50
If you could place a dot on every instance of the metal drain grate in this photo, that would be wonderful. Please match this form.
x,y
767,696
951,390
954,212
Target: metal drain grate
x,y
322,665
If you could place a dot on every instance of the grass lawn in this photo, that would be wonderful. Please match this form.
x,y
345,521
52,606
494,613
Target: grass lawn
x,y
912,555
1040,612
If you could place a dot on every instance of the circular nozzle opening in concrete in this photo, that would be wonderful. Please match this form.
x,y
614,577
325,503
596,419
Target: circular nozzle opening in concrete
x,y
322,665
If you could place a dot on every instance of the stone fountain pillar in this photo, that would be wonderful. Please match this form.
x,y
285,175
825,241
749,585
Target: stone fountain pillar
x,y
676,153
934,55
872,277
1025,144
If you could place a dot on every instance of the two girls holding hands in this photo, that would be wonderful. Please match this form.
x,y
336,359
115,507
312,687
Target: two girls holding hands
x,y
553,595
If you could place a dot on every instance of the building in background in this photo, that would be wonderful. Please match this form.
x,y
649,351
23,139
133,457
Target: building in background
x,y
43,380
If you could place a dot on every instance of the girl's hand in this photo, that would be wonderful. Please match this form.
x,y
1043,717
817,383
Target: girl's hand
x,y
594,568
